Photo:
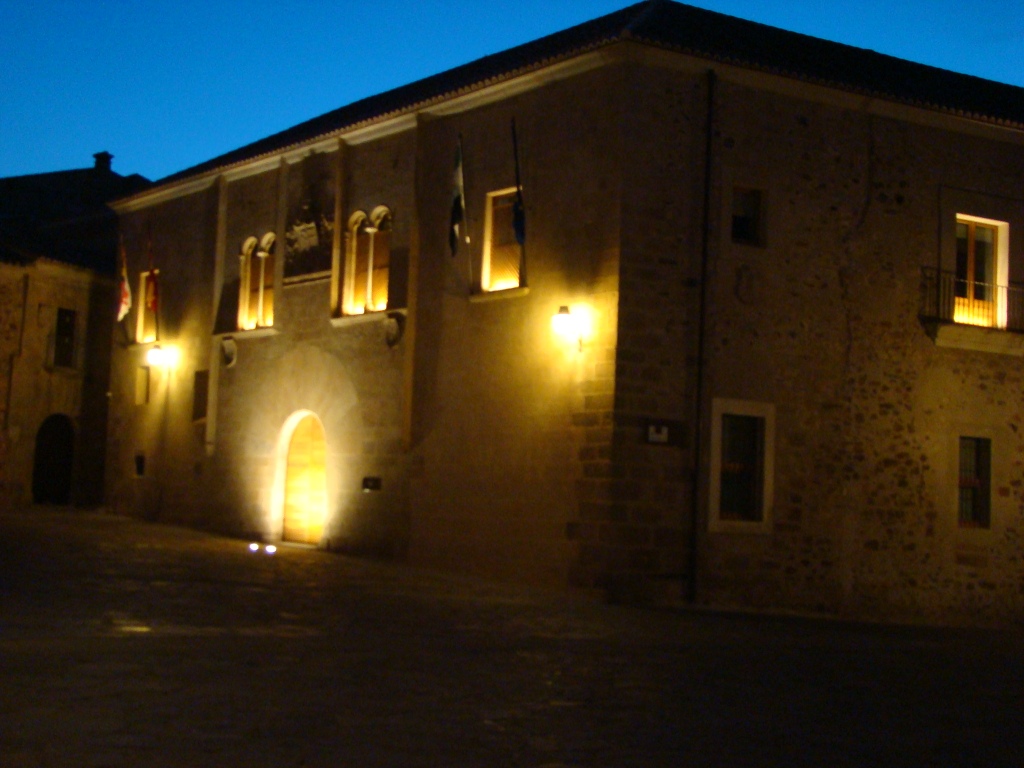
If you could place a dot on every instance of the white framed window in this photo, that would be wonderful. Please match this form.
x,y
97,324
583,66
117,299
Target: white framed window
x,y
981,273
256,282
367,262
502,265
742,466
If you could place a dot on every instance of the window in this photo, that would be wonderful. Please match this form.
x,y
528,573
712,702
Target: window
x,y
148,325
742,465
747,216
200,390
980,277
142,385
975,482
64,339
503,254
256,286
368,262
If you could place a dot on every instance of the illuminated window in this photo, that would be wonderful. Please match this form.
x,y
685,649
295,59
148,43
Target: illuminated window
x,y
503,255
975,481
981,274
147,327
64,339
747,216
367,262
742,445
256,284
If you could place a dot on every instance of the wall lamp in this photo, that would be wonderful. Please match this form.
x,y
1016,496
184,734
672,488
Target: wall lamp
x,y
162,357
567,326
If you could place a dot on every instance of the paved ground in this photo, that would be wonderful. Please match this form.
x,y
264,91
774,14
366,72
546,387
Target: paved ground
x,y
131,644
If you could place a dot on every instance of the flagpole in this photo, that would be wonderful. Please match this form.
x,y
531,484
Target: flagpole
x,y
519,212
465,218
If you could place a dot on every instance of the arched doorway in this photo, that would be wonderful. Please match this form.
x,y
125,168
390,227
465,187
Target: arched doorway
x,y
54,457
305,485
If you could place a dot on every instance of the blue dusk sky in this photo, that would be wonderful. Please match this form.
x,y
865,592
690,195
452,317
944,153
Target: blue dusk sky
x,y
166,84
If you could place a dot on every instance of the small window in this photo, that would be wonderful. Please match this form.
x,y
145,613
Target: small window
x,y
503,254
742,476
200,392
64,339
742,466
142,385
368,262
747,216
140,465
256,286
148,328
975,482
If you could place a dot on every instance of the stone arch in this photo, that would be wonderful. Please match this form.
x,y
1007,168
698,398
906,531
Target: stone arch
x,y
299,495
53,461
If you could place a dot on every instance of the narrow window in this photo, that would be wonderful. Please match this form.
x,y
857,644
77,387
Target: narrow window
x,y
742,465
64,339
502,257
368,262
747,216
200,391
975,482
980,276
742,475
256,287
142,385
148,328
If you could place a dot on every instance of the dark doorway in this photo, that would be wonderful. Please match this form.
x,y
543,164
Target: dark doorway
x,y
55,453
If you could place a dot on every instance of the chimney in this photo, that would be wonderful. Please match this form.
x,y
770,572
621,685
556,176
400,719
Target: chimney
x,y
103,161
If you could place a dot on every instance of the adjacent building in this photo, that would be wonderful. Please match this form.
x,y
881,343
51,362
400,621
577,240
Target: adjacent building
x,y
58,244
669,304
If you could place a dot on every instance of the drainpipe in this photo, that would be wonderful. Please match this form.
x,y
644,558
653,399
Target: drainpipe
x,y
698,417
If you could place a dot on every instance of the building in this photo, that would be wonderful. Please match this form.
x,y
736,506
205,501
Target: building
x,y
787,274
58,245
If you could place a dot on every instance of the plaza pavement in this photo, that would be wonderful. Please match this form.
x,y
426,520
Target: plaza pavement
x,y
125,644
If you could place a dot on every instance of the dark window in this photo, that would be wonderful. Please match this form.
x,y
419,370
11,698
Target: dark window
x,y
742,472
142,385
200,390
747,216
64,339
975,481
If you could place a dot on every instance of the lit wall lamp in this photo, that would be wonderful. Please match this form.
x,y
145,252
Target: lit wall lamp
x,y
567,326
162,357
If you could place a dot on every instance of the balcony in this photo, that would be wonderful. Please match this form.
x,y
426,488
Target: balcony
x,y
968,315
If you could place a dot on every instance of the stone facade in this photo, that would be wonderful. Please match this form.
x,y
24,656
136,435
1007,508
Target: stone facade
x,y
54,402
461,433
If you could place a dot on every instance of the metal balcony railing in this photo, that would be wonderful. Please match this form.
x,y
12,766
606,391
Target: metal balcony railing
x,y
946,298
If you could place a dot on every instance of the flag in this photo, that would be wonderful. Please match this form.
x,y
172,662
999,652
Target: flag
x,y
518,210
458,229
124,303
152,291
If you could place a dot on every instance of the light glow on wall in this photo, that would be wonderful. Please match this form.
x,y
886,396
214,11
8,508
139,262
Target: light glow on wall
x,y
162,356
574,324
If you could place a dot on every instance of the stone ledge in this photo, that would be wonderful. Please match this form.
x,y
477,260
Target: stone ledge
x,y
975,338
